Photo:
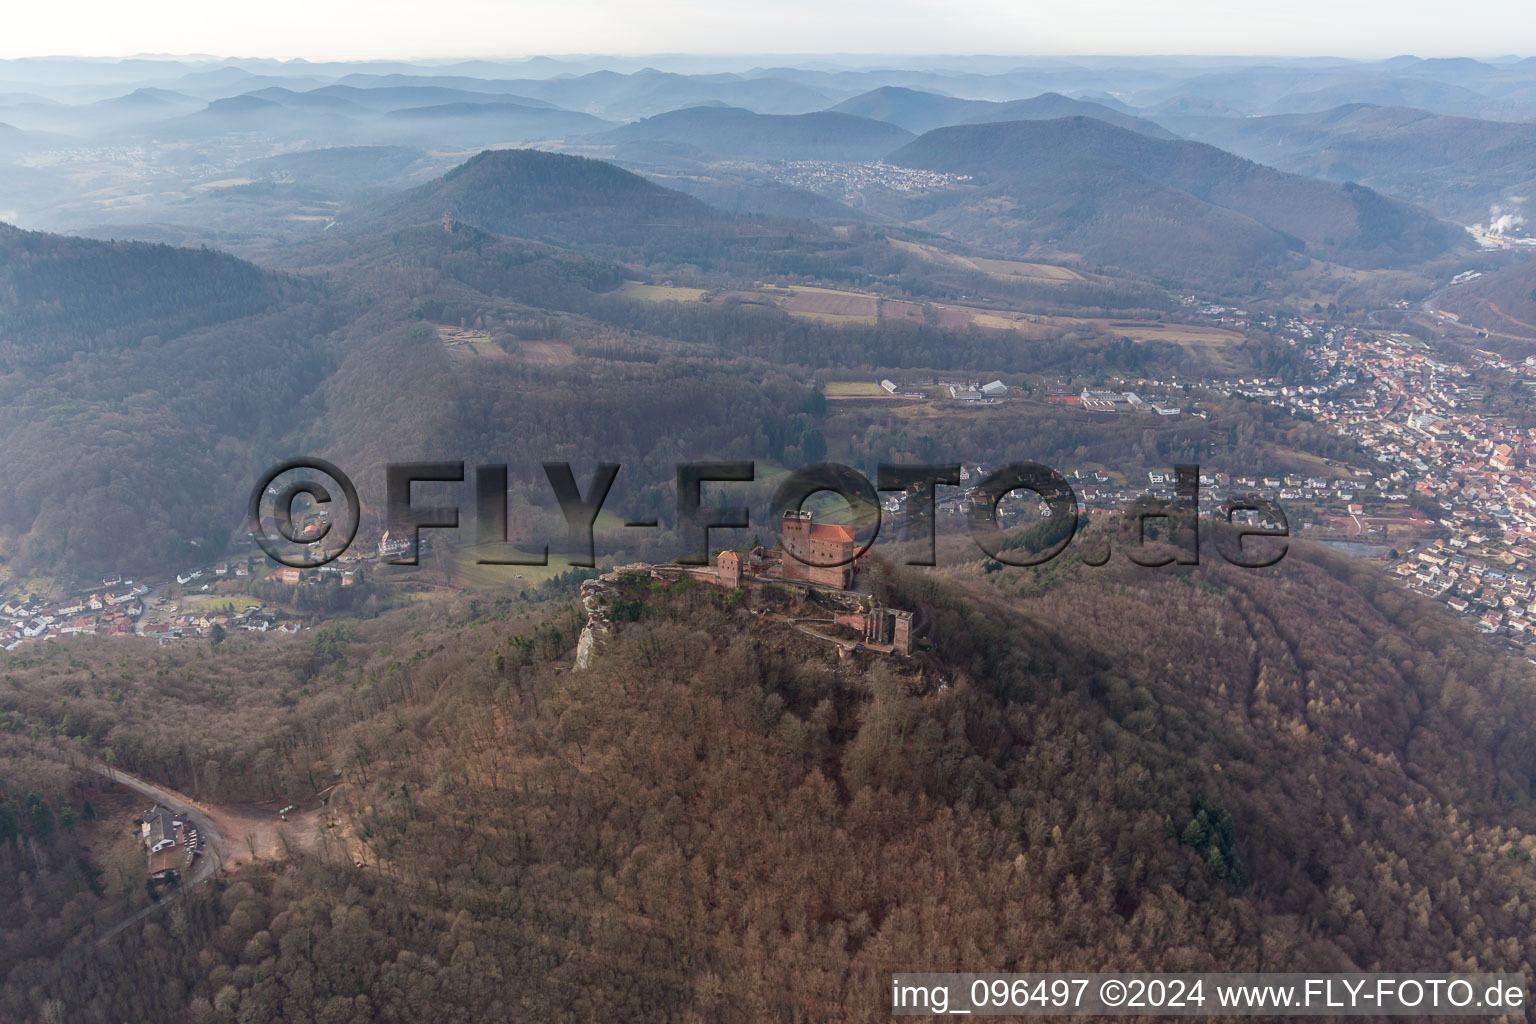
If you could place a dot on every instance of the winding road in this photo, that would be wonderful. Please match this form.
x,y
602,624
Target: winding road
x,y
218,846
234,834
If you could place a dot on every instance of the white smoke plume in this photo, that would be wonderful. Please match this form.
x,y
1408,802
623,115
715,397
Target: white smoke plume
x,y
1505,219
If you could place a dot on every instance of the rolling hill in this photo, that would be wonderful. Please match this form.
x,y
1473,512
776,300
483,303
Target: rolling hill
x,y
544,196
311,100
745,193
483,124
143,104
1503,301
421,116
1050,106
1300,769
250,113
1456,166
1442,97
15,141
1165,207
12,139
648,92
345,171
921,112
734,133
139,384
68,294
384,98
912,109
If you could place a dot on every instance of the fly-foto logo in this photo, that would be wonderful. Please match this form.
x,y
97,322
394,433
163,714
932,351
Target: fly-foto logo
x,y
327,537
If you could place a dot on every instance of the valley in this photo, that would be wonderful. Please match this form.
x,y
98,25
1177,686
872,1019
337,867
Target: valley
x,y
453,768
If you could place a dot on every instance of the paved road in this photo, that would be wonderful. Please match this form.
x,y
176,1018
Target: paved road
x,y
148,600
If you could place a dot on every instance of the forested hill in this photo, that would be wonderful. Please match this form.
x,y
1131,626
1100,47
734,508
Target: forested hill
x,y
60,295
543,196
920,111
138,385
1104,189
1162,770
1052,105
1456,166
1502,301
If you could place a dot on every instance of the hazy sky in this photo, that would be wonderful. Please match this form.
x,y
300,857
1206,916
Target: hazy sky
x,y
448,28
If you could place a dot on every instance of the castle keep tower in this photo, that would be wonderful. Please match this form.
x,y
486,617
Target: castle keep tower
x,y
830,546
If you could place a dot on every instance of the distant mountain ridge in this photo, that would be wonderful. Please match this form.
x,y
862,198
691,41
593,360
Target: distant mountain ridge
x,y
398,97
1446,98
1456,166
737,133
83,293
1050,106
147,100
346,170
475,124
1124,199
920,112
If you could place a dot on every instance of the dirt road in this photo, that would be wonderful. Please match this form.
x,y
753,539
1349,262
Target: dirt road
x,y
236,834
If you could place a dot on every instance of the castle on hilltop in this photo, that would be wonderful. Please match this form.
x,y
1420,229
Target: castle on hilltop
x,y
827,546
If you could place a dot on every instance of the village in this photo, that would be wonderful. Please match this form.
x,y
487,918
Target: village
x,y
124,607
848,181
1417,414
206,601
130,609
114,609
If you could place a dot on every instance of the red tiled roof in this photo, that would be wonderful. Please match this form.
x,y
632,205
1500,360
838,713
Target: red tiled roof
x,y
167,859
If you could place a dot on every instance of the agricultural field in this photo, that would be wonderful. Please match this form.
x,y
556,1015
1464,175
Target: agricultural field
x,y
1405,340
999,270
1212,344
211,604
829,305
546,353
834,306
955,318
855,389
659,292
469,574
37,585
466,350
1305,462
1159,330
549,528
